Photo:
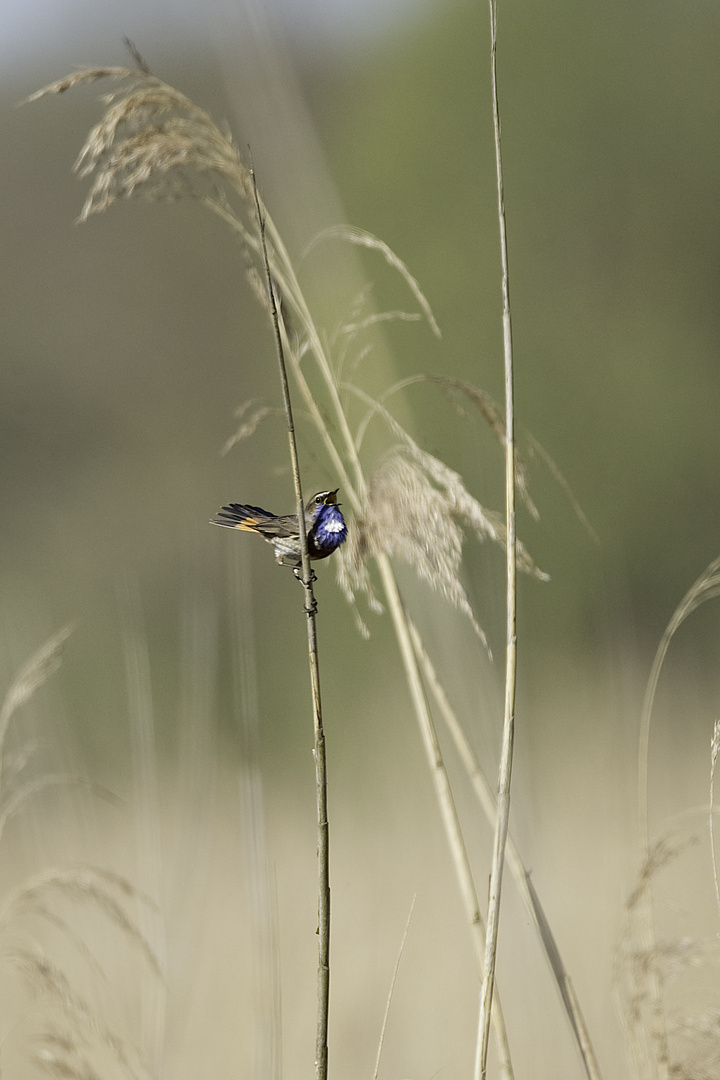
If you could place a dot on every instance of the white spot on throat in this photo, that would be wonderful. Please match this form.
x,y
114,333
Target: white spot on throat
x,y
333,526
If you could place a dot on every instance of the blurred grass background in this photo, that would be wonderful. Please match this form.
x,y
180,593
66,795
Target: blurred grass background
x,y
129,341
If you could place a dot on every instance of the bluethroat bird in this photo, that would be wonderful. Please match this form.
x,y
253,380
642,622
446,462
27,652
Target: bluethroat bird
x,y
325,525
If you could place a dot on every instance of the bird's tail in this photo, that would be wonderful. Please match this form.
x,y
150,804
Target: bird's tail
x,y
237,516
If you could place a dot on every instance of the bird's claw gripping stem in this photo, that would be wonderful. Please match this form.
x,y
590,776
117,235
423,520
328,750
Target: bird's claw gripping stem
x,y
311,608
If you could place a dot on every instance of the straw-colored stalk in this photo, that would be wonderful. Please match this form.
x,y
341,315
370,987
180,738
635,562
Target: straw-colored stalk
x,y
323,833
508,736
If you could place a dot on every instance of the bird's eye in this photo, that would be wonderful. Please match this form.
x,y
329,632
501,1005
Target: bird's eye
x,y
319,499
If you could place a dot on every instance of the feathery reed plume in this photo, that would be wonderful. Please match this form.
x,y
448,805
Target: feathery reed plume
x,y
638,976
80,1046
408,517
681,1040
152,141
90,884
415,510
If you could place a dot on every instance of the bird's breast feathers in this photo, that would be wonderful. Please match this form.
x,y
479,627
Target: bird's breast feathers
x,y
329,530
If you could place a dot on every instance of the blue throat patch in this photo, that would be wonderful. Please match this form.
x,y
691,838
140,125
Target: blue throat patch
x,y
329,530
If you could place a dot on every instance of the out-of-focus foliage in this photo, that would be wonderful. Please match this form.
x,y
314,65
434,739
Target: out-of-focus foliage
x,y
610,119
121,355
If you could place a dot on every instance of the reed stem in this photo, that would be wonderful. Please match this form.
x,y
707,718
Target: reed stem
x,y
323,835
506,758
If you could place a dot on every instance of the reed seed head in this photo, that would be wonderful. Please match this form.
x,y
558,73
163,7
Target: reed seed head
x,y
151,141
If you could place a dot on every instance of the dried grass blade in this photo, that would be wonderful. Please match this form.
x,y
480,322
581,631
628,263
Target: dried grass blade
x,y
373,243
392,988
565,986
79,78
66,1055
250,425
558,476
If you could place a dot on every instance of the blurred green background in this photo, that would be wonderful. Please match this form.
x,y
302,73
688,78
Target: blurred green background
x,y
129,341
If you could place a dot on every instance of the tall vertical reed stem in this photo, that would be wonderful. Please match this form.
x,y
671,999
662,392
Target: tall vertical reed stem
x,y
443,792
323,843
506,759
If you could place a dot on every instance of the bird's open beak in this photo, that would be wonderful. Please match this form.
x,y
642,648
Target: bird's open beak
x,y
331,498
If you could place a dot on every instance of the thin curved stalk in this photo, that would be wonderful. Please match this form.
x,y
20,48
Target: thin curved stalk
x,y
705,588
506,755
383,1029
